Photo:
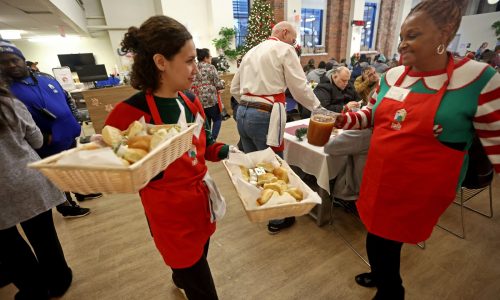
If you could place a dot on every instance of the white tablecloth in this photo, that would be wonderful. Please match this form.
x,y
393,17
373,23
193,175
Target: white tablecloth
x,y
311,159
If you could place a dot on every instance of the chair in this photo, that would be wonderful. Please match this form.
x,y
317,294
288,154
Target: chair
x,y
467,192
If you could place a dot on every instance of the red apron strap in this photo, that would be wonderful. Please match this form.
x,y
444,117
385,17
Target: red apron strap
x,y
219,101
153,109
280,98
194,106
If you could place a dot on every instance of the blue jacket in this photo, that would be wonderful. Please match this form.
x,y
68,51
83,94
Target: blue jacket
x,y
38,92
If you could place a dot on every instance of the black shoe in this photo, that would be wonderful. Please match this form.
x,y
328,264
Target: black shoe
x,y
64,286
69,211
275,228
365,279
81,197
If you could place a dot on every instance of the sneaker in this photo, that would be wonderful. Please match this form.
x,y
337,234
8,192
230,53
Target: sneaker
x,y
81,197
177,285
69,211
273,228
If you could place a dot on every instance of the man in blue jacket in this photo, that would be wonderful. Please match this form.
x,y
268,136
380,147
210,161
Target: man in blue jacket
x,y
48,104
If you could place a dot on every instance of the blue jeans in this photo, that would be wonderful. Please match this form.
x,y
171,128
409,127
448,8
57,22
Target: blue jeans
x,y
253,125
214,119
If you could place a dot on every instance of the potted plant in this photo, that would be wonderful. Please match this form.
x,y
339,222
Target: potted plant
x,y
496,26
223,46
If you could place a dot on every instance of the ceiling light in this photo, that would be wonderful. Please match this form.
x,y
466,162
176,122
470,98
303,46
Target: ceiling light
x,y
10,34
54,38
492,1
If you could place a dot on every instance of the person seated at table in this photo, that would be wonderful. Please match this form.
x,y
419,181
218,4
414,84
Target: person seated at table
x,y
366,83
354,144
337,93
316,74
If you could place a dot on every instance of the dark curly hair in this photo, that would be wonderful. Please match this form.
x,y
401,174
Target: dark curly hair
x,y
443,13
158,34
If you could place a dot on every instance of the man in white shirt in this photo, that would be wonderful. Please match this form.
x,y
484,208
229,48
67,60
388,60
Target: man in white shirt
x,y
259,86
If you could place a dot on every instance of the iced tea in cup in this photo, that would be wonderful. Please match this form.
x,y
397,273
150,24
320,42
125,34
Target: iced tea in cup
x,y
320,126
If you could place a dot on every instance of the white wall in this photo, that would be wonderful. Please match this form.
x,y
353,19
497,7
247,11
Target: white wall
x,y
73,11
126,13
292,14
45,53
119,19
202,18
476,29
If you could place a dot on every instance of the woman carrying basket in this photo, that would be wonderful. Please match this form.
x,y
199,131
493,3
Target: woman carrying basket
x,y
182,202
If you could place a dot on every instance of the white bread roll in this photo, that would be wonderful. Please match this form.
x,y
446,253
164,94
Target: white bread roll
x,y
132,155
281,173
295,193
134,129
112,136
140,142
265,196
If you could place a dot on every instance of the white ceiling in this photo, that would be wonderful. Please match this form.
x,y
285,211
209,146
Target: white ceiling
x,y
35,17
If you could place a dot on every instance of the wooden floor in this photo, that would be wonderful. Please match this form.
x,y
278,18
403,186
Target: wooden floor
x,y
113,257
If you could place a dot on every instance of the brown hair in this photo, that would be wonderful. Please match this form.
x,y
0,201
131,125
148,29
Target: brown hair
x,y
443,13
158,34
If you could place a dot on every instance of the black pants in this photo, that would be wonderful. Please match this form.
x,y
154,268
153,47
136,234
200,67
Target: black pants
x,y
34,275
385,257
214,118
196,280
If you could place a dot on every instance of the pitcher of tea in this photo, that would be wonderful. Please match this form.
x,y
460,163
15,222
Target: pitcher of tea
x,y
320,126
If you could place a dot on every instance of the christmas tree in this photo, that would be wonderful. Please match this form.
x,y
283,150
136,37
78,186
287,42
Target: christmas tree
x,y
260,24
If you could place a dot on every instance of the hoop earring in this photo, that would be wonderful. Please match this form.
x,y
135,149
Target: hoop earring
x,y
440,49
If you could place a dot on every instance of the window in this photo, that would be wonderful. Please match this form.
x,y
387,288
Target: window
x,y
311,27
240,15
368,30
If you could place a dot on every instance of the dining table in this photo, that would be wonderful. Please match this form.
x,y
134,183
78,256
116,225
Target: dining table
x,y
312,160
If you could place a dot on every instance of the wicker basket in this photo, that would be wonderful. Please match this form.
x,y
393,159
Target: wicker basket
x,y
110,179
275,212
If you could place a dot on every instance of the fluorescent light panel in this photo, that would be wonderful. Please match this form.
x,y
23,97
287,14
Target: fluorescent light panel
x,y
54,38
11,34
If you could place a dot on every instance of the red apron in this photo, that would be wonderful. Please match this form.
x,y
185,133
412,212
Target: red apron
x,y
219,102
278,98
177,205
410,178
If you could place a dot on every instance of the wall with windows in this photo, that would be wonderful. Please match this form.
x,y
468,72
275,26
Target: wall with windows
x,y
369,32
313,23
241,11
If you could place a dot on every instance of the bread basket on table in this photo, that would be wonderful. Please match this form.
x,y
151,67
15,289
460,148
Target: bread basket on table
x,y
115,179
248,195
